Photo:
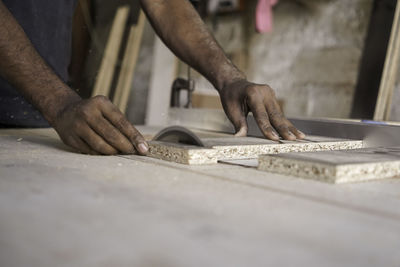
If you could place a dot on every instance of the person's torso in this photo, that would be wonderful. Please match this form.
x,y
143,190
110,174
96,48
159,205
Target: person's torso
x,y
48,24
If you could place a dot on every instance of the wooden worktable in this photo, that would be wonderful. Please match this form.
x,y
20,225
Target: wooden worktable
x,y
59,208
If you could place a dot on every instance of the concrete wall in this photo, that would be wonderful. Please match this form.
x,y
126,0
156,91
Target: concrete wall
x,y
311,58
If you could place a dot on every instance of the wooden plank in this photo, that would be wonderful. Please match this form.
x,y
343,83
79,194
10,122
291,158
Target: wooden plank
x,y
336,166
129,62
111,52
221,148
388,80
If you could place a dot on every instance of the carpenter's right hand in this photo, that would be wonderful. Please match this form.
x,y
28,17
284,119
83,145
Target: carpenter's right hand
x,y
96,126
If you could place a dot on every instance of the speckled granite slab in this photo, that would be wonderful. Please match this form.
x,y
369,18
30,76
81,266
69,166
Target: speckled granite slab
x,y
222,147
336,166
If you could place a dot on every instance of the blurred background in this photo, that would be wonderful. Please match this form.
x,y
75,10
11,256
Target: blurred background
x,y
324,58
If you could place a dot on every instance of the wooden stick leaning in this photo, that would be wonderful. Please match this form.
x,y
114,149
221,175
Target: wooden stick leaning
x,y
396,59
388,80
127,72
110,57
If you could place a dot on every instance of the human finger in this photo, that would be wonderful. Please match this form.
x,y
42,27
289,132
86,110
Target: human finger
x,y
299,134
260,115
237,116
96,142
111,134
284,127
279,121
116,118
77,143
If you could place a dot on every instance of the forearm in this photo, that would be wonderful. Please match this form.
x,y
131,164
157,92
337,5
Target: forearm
x,y
23,67
180,27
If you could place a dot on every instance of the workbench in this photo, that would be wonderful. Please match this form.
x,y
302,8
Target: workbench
x,y
60,208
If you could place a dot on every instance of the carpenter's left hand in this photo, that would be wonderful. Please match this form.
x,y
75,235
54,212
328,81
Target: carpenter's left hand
x,y
241,97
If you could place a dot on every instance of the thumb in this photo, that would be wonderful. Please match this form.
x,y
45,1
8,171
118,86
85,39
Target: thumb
x,y
238,119
241,127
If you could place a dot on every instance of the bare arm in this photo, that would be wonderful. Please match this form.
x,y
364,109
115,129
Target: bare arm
x,y
181,28
92,126
23,67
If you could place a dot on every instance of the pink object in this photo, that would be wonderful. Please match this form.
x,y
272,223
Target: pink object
x,y
264,15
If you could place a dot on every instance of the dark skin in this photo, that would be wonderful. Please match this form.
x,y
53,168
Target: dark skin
x,y
187,36
95,125
92,126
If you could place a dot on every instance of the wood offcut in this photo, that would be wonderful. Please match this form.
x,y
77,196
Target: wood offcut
x,y
336,166
223,147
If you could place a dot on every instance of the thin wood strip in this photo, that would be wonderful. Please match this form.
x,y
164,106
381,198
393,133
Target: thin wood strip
x,y
129,62
121,84
396,58
382,109
107,67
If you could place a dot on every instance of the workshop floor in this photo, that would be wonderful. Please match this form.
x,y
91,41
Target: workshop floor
x,y
59,208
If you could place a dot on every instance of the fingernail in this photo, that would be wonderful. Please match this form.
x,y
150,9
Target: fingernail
x,y
275,135
301,133
291,134
143,148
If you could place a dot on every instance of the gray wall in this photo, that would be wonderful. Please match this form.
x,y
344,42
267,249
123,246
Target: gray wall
x,y
311,58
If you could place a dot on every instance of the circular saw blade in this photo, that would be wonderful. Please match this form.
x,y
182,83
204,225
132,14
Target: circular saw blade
x,y
178,135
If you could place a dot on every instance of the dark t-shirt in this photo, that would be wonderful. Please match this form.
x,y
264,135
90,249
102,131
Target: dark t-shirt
x,y
48,24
